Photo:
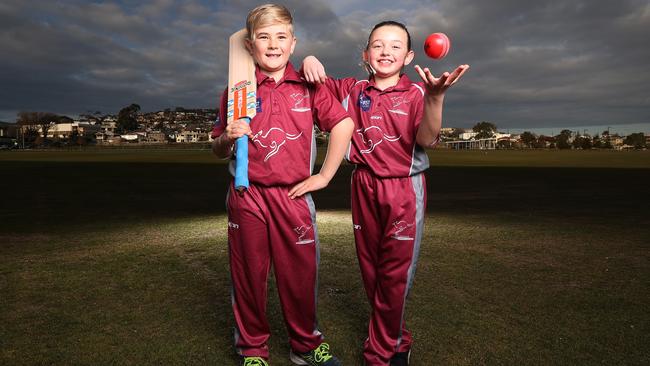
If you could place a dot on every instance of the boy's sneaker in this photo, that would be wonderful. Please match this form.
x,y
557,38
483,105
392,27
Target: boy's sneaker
x,y
253,361
320,356
400,358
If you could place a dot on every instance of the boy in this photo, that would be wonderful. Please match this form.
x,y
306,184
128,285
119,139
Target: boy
x,y
274,220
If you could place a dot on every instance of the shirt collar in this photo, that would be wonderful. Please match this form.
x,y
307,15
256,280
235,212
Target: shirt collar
x,y
403,84
290,74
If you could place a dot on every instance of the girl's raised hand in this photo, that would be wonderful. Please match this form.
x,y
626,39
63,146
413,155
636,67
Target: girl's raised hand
x,y
313,70
438,86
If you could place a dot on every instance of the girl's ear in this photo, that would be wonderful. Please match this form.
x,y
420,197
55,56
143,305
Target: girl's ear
x,y
365,64
409,57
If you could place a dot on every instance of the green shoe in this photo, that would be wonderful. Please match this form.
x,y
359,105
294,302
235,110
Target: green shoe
x,y
253,361
320,356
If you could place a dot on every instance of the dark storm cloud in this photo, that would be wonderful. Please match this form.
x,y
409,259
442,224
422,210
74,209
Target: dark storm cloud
x,y
545,63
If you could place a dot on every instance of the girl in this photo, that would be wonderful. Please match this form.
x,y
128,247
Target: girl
x,y
395,119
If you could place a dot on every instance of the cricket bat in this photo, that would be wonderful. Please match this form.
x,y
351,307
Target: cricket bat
x,y
242,100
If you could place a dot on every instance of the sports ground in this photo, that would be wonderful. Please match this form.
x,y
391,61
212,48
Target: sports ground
x,y
119,257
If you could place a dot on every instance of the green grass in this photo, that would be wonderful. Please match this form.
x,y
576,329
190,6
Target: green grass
x,y
120,258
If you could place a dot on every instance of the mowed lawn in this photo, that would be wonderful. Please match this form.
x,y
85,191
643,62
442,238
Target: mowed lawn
x,y
119,257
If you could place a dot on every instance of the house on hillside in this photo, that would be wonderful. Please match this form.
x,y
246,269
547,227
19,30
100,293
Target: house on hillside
x,y
189,136
8,133
64,130
156,137
133,137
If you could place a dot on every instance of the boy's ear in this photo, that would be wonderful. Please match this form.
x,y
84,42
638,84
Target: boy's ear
x,y
249,45
293,45
409,57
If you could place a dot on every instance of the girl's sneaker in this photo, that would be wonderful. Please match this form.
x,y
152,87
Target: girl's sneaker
x,y
401,359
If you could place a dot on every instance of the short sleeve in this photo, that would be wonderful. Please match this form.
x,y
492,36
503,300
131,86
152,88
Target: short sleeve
x,y
220,125
340,87
327,109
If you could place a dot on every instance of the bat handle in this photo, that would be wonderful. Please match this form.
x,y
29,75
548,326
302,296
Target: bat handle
x,y
241,162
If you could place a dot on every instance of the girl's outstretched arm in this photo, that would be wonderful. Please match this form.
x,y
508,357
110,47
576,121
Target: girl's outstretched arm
x,y
429,130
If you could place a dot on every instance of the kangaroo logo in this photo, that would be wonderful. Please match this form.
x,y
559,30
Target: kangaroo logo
x,y
273,140
298,99
373,136
302,232
400,226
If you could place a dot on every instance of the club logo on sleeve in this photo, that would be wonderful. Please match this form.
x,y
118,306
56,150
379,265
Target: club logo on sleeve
x,y
364,102
399,230
301,102
305,234
273,140
372,136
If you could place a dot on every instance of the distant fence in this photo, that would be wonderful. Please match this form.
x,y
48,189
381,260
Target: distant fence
x,y
480,144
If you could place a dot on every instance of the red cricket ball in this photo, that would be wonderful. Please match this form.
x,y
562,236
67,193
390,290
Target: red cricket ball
x,y
437,45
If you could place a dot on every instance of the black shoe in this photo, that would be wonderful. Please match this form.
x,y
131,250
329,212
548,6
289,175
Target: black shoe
x,y
400,358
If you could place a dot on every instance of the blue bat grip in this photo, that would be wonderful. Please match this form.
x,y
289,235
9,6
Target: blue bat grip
x,y
241,162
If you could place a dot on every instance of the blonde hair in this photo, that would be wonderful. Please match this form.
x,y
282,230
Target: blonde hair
x,y
265,15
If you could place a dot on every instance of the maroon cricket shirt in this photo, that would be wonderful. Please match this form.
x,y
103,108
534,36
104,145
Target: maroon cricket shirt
x,y
283,148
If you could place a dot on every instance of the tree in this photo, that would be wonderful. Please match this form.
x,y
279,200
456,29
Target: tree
x,y
606,140
484,129
636,139
504,144
35,124
563,139
528,138
582,142
597,142
127,118
544,141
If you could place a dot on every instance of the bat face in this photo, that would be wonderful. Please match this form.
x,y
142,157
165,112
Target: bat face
x,y
242,86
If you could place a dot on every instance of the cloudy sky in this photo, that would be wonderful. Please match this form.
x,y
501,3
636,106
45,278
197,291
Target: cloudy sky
x,y
533,64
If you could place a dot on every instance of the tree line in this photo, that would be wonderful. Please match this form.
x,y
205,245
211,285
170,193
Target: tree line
x,y
566,139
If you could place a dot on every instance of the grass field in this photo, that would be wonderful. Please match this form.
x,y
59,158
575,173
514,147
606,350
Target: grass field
x,y
529,258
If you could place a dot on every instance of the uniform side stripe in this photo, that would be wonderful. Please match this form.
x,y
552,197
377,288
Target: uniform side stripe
x,y
419,88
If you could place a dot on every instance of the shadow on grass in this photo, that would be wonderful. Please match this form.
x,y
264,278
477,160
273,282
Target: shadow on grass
x,y
484,294
43,196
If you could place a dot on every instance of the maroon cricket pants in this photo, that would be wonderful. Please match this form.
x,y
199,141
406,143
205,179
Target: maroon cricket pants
x,y
266,227
388,218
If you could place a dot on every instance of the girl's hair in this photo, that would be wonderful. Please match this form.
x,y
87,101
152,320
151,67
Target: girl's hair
x,y
391,23
265,15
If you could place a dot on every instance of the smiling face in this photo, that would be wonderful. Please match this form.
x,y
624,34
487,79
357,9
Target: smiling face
x,y
271,47
388,52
